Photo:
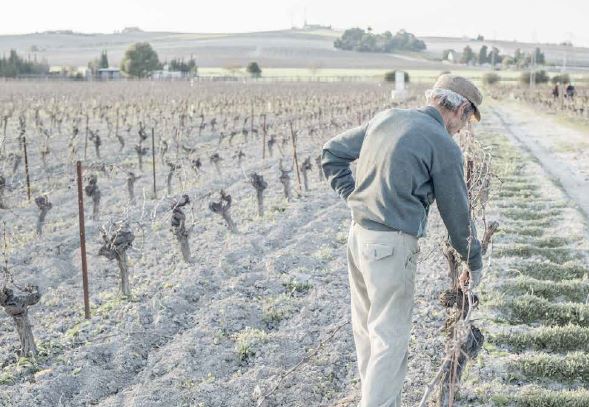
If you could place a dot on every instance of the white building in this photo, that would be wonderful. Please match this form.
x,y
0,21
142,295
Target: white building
x,y
106,74
165,73
452,56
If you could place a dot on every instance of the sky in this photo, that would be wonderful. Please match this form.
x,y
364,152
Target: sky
x,y
522,20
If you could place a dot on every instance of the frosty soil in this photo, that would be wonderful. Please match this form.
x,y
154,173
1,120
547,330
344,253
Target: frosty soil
x,y
216,318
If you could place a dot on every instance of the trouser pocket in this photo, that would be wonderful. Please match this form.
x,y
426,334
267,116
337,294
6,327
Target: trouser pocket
x,y
376,251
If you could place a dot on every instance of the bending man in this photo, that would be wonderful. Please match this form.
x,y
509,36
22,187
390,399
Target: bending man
x,y
407,159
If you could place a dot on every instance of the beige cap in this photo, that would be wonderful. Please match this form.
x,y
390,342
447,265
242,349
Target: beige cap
x,y
463,87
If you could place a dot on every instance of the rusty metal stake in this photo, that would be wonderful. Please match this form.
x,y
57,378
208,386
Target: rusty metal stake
x,y
83,242
4,138
24,141
153,161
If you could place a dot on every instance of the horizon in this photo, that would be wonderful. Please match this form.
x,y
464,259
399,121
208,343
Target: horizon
x,y
502,22
334,29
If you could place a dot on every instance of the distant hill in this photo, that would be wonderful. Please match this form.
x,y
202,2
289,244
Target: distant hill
x,y
271,49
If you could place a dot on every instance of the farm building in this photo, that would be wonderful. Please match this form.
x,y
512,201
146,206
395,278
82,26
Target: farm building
x,y
62,71
167,74
452,56
108,74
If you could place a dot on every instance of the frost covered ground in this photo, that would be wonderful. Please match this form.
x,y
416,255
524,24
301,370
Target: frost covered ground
x,y
264,312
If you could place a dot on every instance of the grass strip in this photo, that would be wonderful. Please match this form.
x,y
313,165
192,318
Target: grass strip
x,y
528,309
553,338
570,367
570,290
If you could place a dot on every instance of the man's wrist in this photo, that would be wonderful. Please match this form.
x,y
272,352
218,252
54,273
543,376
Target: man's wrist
x,y
474,277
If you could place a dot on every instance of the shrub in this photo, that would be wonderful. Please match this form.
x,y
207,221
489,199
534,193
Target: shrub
x,y
254,69
467,55
561,78
139,60
249,341
275,309
491,78
541,77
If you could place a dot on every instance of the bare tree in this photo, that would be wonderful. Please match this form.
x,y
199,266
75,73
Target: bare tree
x,y
115,247
239,156
172,170
319,167
93,192
131,179
44,205
17,306
260,185
73,138
141,151
163,151
95,138
285,180
222,208
179,226
216,160
271,141
306,167
196,164
16,160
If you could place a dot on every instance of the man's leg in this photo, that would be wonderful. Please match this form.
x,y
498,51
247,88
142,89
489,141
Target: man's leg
x,y
359,304
388,266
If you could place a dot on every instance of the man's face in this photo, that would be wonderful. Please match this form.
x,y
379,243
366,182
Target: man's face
x,y
457,120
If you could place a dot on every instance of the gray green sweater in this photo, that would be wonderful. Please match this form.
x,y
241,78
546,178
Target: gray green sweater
x,y
406,161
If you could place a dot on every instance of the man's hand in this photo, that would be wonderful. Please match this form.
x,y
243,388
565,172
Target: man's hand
x,y
472,278
463,279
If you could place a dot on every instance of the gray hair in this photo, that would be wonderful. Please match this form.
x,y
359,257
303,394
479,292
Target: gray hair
x,y
448,99
445,97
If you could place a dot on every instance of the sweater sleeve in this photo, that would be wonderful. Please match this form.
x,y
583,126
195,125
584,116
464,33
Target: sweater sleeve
x,y
452,200
337,155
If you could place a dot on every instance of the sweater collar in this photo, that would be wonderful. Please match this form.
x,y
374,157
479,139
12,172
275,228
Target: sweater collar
x,y
433,112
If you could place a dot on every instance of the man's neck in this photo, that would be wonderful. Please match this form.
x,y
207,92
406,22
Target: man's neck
x,y
442,114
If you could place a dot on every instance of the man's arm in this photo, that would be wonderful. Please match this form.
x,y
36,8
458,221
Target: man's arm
x,y
452,199
336,156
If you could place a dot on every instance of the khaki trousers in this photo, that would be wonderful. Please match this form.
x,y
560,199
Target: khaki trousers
x,y
381,270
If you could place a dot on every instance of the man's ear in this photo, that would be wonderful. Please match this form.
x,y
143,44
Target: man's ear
x,y
461,109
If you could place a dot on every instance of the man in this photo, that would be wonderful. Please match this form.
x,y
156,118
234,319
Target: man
x,y
556,91
571,91
406,160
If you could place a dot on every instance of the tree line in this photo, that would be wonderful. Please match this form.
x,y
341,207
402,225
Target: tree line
x,y
139,61
493,56
14,65
356,39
